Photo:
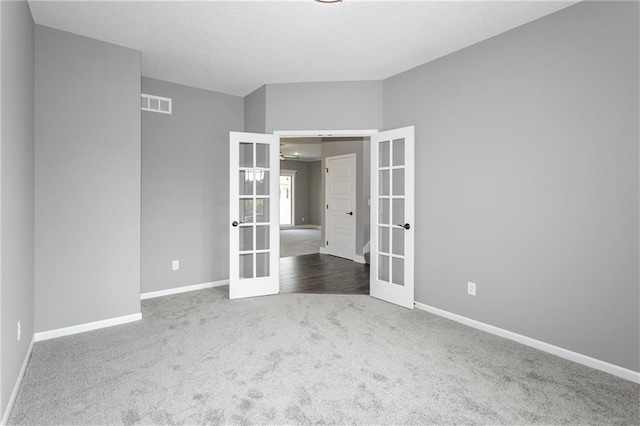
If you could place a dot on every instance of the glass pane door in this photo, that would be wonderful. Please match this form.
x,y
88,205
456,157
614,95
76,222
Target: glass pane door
x,y
254,193
392,216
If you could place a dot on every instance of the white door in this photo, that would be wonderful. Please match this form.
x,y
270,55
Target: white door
x,y
340,200
392,216
254,241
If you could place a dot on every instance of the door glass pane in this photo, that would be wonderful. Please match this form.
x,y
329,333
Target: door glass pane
x,y
262,264
383,268
398,152
246,154
383,154
398,241
398,211
246,238
246,210
398,182
262,237
246,182
153,103
262,155
383,238
262,182
262,210
383,182
246,266
398,271
383,213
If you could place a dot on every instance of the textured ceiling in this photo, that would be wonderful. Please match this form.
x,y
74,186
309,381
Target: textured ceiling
x,y
235,47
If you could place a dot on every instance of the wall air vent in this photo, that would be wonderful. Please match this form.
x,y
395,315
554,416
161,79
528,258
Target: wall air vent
x,y
155,103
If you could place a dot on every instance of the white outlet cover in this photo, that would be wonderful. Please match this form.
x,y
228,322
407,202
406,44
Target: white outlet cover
x,y
175,265
471,288
19,330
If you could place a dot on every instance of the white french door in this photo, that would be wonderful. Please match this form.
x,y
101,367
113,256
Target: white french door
x,y
254,215
392,216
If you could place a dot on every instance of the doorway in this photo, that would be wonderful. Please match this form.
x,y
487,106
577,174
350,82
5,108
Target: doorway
x,y
389,212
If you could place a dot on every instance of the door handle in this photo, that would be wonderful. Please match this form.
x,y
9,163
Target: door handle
x,y
236,223
405,226
350,213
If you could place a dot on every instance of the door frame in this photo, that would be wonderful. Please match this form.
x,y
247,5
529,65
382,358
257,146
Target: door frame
x,y
353,230
366,133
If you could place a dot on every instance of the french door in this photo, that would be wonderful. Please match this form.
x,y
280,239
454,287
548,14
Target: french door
x,y
254,239
392,216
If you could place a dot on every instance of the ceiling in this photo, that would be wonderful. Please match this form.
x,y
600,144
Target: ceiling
x,y
235,47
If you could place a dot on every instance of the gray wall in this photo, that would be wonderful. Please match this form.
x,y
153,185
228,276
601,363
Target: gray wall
x,y
87,181
17,166
307,193
324,106
332,149
185,186
316,190
527,179
255,113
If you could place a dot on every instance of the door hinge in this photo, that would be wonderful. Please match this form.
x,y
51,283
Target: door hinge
x,y
326,169
327,243
327,206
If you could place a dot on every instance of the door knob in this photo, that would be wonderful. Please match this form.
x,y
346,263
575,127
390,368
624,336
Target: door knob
x,y
236,223
350,213
405,226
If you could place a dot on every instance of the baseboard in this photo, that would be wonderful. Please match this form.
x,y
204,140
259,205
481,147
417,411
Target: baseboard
x,y
95,325
184,289
323,250
613,369
360,259
16,387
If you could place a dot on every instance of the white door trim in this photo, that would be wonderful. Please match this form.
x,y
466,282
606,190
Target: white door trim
x,y
324,133
353,202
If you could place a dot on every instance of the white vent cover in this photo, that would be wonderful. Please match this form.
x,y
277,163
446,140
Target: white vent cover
x,y
155,103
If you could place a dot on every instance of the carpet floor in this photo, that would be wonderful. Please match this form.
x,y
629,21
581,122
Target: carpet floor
x,y
199,358
299,241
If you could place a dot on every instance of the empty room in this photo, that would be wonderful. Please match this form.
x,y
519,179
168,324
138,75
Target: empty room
x,y
328,212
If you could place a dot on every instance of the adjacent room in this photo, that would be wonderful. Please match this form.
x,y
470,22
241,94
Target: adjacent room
x,y
305,211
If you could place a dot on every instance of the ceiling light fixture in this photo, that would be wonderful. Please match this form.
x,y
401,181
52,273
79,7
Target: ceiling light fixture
x,y
329,1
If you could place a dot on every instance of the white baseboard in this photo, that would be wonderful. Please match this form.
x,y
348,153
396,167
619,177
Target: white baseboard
x,y
323,250
16,387
184,289
95,325
360,259
613,369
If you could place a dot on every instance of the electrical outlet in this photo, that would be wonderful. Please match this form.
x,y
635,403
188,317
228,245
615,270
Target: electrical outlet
x,y
303,219
19,329
471,288
175,265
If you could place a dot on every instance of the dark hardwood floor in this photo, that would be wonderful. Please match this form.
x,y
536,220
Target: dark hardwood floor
x,y
324,274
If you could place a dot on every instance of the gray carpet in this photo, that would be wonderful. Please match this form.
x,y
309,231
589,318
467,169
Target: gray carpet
x,y
299,241
198,358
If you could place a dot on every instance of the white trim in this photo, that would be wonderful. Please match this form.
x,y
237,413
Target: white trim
x,y
323,250
184,289
367,247
292,210
359,259
16,387
324,133
90,326
615,370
